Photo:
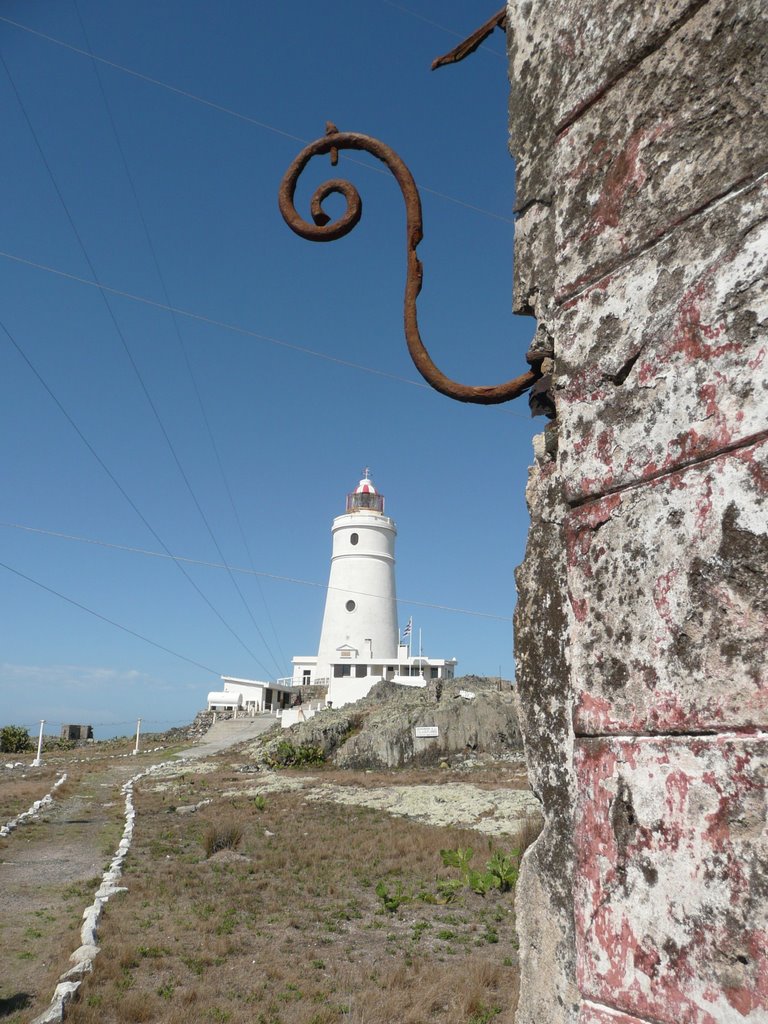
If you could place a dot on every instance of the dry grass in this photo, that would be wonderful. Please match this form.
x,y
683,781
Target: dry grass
x,y
292,931
21,787
226,836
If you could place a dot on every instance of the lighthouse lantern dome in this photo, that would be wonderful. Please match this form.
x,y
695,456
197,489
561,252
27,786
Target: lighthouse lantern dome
x,y
365,498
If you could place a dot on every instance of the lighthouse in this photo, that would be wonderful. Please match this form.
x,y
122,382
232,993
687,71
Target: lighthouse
x,y
360,641
360,619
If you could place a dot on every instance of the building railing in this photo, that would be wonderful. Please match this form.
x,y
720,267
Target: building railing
x,y
295,684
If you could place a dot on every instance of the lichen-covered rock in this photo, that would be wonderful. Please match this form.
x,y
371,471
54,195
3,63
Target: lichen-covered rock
x,y
486,723
379,731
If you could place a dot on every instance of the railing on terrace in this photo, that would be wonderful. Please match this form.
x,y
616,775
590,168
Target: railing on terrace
x,y
296,684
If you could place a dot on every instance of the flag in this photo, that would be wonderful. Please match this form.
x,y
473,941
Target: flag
x,y
407,630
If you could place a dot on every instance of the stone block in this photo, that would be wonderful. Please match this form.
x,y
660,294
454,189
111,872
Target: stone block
x,y
671,634
86,953
665,141
534,260
671,890
591,45
664,361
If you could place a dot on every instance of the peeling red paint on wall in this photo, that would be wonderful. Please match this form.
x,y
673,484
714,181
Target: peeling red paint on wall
x,y
694,337
659,883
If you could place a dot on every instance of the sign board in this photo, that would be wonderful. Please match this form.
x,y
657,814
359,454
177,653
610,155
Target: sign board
x,y
423,731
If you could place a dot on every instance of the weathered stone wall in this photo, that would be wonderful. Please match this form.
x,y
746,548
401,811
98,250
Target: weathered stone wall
x,y
640,133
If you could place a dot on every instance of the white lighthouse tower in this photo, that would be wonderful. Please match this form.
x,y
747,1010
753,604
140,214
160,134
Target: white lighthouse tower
x,y
360,640
360,620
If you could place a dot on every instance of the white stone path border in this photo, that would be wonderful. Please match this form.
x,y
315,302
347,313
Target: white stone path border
x,y
84,955
33,811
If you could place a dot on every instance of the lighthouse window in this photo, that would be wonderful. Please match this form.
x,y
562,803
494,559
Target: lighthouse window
x,y
353,539
350,606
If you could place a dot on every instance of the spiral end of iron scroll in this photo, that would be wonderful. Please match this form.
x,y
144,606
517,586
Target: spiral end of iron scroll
x,y
322,229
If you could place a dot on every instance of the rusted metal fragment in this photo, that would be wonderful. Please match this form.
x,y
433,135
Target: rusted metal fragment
x,y
671,891
669,635
322,229
562,57
678,338
471,43
667,140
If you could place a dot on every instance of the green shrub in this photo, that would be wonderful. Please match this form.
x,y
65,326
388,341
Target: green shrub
x,y
503,870
288,755
392,900
14,739
500,872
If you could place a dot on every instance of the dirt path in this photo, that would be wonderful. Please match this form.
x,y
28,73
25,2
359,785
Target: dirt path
x,y
49,870
225,734
51,867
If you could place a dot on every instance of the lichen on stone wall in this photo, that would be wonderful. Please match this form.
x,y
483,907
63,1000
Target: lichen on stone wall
x,y
641,247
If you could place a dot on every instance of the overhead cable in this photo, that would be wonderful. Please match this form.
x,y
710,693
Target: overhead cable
x,y
224,325
237,114
111,622
243,570
121,489
126,348
190,371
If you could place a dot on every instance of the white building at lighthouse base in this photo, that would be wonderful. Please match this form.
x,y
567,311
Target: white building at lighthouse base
x,y
351,675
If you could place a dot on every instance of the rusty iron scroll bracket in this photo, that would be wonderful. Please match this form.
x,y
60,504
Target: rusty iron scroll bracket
x,y
471,43
322,229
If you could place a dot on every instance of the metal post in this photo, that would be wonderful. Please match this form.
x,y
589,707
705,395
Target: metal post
x,y
38,761
138,733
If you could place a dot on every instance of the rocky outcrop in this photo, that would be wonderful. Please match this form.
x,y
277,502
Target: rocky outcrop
x,y
381,730
486,723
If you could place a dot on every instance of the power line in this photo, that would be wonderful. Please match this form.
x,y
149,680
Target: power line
x,y
104,618
182,346
125,345
240,116
224,325
247,572
120,487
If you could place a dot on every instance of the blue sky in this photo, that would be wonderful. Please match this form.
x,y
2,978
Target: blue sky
x,y
125,426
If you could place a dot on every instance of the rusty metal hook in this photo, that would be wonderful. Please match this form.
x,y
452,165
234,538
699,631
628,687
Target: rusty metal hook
x,y
324,230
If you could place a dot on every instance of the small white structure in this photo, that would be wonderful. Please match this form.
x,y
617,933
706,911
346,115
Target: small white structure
x,y
359,640
250,696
